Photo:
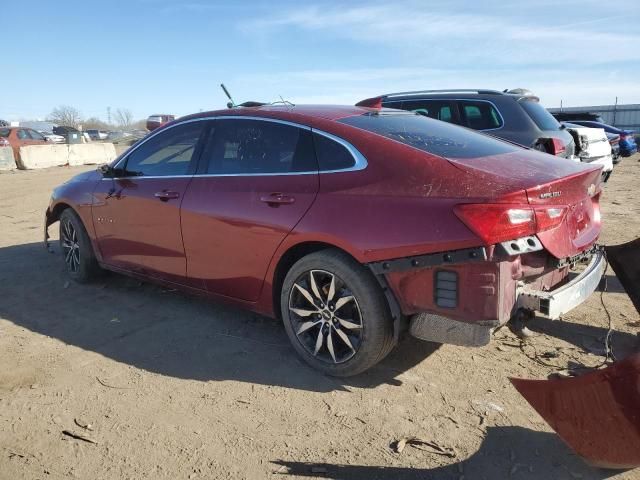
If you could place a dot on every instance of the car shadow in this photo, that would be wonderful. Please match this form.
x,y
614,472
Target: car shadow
x,y
589,338
613,285
506,452
167,332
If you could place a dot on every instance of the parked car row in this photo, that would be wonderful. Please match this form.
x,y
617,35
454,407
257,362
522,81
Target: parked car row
x,y
353,224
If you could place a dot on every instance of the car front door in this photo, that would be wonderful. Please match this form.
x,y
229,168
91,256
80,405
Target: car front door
x,y
137,212
258,179
36,137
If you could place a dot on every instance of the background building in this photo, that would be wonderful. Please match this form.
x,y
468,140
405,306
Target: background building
x,y
620,116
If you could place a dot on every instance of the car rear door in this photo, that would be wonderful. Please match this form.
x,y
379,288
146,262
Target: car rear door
x,y
137,213
257,179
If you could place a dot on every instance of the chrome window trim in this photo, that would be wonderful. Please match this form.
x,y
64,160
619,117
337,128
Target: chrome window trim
x,y
360,162
460,100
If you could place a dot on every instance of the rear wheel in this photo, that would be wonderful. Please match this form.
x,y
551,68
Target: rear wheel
x,y
335,314
79,259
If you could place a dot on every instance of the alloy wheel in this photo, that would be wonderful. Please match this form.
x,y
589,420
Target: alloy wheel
x,y
325,316
70,246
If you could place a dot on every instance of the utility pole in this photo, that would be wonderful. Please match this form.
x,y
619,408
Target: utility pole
x,y
109,115
615,107
561,105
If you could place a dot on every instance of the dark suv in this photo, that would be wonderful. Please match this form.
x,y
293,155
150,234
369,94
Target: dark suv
x,y
512,115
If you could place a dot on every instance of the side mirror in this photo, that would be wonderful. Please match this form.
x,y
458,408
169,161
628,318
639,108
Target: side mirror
x,y
106,170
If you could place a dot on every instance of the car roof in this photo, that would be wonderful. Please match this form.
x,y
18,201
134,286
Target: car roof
x,y
302,113
455,93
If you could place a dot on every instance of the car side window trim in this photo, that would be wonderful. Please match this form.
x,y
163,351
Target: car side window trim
x,y
122,162
360,162
457,105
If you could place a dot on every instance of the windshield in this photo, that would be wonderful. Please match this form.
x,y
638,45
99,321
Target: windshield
x,y
431,136
540,116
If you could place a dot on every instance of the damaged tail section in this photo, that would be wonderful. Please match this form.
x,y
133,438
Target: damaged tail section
x,y
598,414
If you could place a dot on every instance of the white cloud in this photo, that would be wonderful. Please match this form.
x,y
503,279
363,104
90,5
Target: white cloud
x,y
438,33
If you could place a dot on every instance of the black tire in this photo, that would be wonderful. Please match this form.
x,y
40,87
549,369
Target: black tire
x,y
357,308
81,263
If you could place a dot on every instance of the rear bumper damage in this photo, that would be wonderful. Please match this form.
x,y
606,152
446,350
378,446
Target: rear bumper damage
x,y
565,298
459,297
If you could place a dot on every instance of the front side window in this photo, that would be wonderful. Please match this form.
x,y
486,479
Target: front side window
x,y
166,154
23,135
479,115
438,138
36,136
247,147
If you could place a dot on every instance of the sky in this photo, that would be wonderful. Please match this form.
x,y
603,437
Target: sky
x,y
170,56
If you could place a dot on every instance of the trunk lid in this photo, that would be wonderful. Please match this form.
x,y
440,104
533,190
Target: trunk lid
x,y
552,182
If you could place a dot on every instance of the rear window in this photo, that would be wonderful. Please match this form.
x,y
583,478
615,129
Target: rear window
x,y
431,136
540,116
4,132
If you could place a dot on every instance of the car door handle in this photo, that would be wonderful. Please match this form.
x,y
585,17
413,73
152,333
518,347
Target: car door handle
x,y
276,199
166,195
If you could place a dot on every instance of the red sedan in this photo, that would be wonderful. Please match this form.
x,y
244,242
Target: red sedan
x,y
16,137
350,224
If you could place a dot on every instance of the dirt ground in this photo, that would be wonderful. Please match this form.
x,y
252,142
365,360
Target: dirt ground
x,y
175,387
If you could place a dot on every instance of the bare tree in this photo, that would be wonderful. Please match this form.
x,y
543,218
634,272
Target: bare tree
x,y
123,117
96,123
66,115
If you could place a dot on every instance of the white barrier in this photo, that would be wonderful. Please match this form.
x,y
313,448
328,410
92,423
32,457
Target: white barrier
x,y
44,156
7,162
91,153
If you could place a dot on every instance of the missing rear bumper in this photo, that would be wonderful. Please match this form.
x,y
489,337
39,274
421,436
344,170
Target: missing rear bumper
x,y
561,300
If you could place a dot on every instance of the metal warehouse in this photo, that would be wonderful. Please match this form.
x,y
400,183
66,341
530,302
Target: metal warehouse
x,y
620,116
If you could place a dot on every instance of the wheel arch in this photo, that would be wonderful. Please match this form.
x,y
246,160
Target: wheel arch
x,y
288,259
299,250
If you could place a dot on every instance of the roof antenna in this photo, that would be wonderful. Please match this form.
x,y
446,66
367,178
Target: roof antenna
x,y
231,103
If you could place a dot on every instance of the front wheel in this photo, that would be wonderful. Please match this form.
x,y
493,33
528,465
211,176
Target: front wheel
x,y
335,314
79,259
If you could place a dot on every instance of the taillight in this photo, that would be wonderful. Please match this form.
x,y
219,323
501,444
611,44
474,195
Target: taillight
x,y
557,146
623,136
495,223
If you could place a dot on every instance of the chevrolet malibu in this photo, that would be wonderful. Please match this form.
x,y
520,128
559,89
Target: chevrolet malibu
x,y
350,224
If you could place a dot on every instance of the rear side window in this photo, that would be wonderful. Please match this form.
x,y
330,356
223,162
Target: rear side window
x,y
540,116
479,115
331,154
23,135
438,138
438,109
248,147
4,132
166,154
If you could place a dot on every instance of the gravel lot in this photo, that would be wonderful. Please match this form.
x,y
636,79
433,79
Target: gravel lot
x,y
171,386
